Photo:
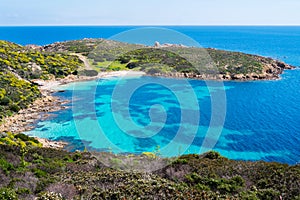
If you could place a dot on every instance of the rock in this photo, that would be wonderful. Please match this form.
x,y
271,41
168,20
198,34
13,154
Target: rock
x,y
3,135
263,76
34,47
254,75
156,45
238,76
221,76
227,77
34,67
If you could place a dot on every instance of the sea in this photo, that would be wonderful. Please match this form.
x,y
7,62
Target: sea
x,y
251,120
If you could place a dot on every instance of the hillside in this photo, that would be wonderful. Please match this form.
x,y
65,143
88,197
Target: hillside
x,y
173,60
28,171
20,65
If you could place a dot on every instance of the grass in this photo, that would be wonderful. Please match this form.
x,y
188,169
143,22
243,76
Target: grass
x,y
110,66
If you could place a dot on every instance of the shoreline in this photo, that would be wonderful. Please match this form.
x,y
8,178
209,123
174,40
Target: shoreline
x,y
39,110
26,119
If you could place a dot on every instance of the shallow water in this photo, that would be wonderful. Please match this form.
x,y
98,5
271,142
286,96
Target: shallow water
x,y
262,118
264,126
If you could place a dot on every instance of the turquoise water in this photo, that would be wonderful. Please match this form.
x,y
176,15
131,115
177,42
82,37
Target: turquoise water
x,y
262,117
257,127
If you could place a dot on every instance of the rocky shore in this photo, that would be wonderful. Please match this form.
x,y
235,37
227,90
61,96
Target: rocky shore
x,y
38,110
270,72
26,119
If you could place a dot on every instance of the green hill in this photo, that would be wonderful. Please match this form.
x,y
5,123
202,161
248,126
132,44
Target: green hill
x,y
173,60
19,65
28,171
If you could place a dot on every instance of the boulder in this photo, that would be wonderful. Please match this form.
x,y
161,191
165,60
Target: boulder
x,y
238,76
156,44
263,76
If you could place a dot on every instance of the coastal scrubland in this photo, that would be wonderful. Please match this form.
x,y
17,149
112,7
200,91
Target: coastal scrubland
x,y
173,60
29,171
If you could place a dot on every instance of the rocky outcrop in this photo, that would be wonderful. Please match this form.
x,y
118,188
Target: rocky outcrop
x,y
34,47
167,45
25,119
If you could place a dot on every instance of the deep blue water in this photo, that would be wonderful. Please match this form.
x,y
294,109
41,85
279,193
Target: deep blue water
x,y
262,117
277,42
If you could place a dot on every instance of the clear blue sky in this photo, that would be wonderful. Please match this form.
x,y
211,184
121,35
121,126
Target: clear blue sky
x,y
149,12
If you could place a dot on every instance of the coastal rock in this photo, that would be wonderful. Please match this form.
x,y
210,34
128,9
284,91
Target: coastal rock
x,y
227,77
254,75
263,76
36,111
238,76
167,45
156,44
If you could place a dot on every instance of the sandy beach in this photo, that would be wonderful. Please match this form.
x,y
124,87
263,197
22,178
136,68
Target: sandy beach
x,y
26,119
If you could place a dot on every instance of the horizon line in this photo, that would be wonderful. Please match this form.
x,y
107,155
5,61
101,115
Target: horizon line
x,y
157,25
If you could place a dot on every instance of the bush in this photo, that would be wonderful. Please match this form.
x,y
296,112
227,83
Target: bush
x,y
26,138
5,166
212,155
268,194
4,101
7,194
50,196
132,65
153,71
88,73
124,59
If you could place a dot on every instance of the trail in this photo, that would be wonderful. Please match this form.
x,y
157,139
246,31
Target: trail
x,y
84,60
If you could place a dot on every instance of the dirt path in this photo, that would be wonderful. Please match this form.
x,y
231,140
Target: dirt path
x,y
84,60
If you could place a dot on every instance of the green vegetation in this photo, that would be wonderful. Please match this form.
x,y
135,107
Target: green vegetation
x,y
28,171
56,174
106,55
31,64
18,65
238,63
15,93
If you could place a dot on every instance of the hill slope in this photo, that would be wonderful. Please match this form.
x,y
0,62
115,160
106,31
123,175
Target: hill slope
x,y
173,60
28,171
19,65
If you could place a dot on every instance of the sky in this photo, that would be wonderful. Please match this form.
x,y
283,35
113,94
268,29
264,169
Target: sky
x,y
149,12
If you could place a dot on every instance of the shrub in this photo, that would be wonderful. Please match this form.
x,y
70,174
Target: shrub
x,y
124,59
5,166
212,155
26,138
4,101
50,196
88,73
7,194
268,194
